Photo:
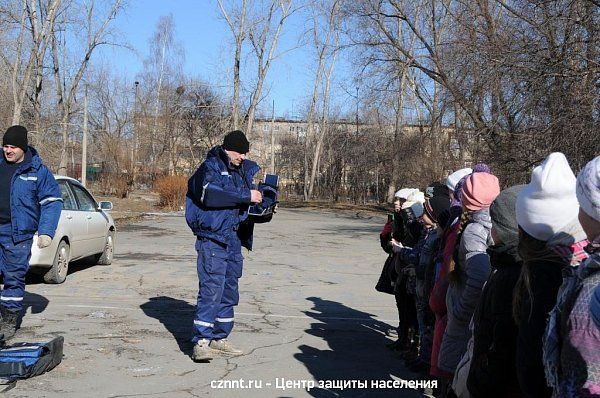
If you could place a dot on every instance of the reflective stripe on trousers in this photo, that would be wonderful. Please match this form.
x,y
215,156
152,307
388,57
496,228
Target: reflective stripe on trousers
x,y
219,269
14,263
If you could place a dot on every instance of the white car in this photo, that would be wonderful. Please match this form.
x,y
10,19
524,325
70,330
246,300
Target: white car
x,y
85,229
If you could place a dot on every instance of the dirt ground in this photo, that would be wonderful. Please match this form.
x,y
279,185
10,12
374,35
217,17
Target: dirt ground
x,y
126,210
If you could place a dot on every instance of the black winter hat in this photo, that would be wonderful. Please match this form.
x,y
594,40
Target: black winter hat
x,y
437,189
16,136
435,206
437,200
236,141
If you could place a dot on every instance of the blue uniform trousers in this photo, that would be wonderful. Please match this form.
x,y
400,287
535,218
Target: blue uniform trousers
x,y
14,263
219,269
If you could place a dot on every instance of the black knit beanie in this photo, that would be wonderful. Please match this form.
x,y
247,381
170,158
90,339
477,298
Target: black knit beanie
x,y
437,200
437,189
16,136
435,206
236,141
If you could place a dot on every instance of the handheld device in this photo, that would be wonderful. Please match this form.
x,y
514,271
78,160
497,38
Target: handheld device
x,y
270,192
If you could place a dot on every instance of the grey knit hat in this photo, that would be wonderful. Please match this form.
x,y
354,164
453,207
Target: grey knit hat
x,y
504,215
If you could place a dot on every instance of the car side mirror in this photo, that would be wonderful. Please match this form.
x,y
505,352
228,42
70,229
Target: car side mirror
x,y
105,205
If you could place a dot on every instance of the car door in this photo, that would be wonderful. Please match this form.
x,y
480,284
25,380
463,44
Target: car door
x,y
95,220
72,223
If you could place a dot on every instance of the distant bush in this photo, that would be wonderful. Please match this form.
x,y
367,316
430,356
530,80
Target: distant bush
x,y
171,191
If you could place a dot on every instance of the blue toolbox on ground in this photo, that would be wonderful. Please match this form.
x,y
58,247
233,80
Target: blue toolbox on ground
x,y
24,360
270,192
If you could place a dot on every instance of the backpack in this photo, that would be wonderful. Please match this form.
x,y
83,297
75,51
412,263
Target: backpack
x,y
24,360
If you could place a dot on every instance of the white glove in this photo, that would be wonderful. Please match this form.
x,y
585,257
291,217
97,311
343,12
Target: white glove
x,y
44,241
396,246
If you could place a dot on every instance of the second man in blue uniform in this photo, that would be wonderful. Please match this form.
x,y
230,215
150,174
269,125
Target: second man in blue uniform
x,y
219,194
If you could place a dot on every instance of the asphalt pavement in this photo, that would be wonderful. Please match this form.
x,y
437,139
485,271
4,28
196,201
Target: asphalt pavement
x,y
309,320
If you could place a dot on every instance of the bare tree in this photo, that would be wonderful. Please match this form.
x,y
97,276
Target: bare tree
x,y
67,85
325,41
264,35
163,65
37,18
260,23
111,119
236,20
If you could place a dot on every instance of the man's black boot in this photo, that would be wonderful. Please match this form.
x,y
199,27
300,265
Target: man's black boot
x,y
8,322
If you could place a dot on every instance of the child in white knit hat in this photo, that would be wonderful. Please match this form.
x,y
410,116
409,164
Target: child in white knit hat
x,y
551,240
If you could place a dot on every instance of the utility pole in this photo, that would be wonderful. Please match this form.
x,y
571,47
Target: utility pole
x,y
84,143
135,134
357,111
273,138
356,181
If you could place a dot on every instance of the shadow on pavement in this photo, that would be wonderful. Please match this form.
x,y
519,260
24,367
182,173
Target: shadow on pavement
x,y
176,315
36,302
356,351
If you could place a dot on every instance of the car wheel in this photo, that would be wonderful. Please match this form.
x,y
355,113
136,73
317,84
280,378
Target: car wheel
x,y
106,257
58,272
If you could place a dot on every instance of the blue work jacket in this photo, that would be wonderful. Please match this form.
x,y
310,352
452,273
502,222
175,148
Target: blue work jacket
x,y
218,198
35,200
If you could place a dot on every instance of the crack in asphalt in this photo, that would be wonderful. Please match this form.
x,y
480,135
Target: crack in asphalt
x,y
265,313
252,351
186,390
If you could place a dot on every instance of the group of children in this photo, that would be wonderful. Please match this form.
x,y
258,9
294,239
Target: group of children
x,y
498,291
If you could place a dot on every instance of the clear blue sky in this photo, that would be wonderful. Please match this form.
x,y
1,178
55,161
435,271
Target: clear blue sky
x,y
207,42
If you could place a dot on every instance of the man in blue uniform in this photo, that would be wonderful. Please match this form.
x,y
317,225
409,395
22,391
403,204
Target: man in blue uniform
x,y
219,194
30,202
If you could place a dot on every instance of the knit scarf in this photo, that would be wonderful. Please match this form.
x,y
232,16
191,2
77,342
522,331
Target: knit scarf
x,y
573,254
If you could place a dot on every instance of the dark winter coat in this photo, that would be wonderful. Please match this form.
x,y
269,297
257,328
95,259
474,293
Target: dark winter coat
x,y
437,297
387,278
385,237
429,261
545,280
411,256
35,200
492,372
